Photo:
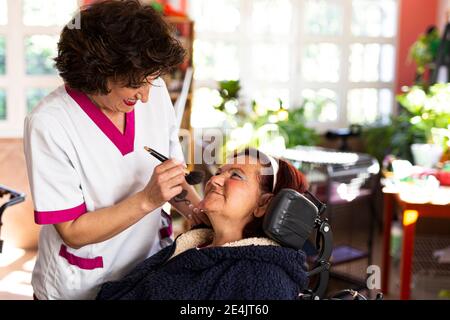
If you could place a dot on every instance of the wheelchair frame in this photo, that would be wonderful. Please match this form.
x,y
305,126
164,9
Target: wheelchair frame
x,y
15,198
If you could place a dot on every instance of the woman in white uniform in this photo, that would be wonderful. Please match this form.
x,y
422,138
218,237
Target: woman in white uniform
x,y
97,193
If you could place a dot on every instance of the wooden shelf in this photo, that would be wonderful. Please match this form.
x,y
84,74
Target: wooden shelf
x,y
183,28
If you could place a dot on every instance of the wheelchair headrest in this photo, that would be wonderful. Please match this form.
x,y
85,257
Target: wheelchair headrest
x,y
290,218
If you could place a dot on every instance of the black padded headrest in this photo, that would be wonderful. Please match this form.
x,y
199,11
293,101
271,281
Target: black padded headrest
x,y
290,218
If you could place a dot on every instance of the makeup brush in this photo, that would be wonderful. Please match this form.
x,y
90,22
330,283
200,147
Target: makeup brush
x,y
193,177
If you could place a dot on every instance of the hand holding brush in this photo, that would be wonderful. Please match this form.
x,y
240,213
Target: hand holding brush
x,y
192,178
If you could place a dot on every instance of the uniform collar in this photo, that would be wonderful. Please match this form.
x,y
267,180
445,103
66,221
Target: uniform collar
x,y
124,142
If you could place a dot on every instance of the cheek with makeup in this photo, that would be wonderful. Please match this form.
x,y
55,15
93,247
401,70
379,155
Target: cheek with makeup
x,y
231,197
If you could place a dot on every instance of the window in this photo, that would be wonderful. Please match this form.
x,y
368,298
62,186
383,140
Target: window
x,y
35,95
29,31
39,53
335,57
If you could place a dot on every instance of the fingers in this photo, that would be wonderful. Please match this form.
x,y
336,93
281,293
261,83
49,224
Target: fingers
x,y
167,165
169,172
171,193
176,180
198,216
203,217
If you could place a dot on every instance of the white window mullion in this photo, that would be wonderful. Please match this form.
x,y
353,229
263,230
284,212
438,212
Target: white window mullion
x,y
245,48
395,110
344,80
31,30
42,82
296,85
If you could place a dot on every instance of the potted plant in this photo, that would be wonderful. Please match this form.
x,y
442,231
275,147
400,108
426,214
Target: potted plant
x,y
423,115
428,110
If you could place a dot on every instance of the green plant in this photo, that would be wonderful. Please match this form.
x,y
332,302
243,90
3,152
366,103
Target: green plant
x,y
249,124
295,130
424,52
421,111
427,108
393,138
229,92
423,107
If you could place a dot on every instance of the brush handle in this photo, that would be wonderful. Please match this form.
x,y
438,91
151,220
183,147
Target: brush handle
x,y
158,156
162,158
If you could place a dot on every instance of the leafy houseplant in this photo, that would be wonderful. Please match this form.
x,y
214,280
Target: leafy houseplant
x,y
424,52
423,107
430,111
295,130
250,124
394,138
422,112
428,108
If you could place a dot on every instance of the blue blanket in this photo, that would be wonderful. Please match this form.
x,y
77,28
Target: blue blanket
x,y
250,272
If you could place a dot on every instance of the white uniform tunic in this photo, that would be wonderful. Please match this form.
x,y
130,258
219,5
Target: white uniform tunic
x,y
78,162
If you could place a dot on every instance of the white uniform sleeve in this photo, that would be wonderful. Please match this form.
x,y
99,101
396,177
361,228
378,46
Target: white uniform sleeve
x,y
55,184
175,150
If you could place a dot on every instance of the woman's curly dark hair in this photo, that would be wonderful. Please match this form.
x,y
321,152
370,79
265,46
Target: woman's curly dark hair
x,y
122,41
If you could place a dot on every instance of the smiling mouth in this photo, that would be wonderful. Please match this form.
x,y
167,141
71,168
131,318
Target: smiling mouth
x,y
130,102
212,191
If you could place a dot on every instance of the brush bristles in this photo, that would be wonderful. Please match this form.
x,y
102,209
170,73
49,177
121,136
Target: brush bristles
x,y
195,177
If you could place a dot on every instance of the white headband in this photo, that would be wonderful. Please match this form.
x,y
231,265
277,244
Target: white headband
x,y
275,167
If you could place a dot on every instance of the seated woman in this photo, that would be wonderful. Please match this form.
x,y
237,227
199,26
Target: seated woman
x,y
233,260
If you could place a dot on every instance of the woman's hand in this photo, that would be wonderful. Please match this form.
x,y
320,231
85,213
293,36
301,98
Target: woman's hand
x,y
199,216
164,184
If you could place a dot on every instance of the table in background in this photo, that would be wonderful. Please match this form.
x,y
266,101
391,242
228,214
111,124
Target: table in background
x,y
411,211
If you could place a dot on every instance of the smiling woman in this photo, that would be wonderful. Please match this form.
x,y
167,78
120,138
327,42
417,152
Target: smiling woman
x,y
95,191
234,260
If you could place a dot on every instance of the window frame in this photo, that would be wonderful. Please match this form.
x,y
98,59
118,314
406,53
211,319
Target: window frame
x,y
16,82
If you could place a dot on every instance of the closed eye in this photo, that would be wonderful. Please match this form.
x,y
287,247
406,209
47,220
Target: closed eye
x,y
235,175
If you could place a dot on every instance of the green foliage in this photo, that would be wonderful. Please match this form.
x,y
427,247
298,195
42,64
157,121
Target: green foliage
x,y
250,123
424,107
228,90
157,6
39,58
427,109
394,138
296,132
422,110
424,52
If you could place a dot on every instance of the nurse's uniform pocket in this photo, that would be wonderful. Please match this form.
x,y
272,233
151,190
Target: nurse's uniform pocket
x,y
79,275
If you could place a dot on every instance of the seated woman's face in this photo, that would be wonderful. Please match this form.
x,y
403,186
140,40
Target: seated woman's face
x,y
233,193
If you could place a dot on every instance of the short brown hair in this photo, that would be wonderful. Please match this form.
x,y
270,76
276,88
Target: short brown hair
x,y
123,40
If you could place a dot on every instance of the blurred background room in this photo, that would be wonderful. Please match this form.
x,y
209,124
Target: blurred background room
x,y
355,93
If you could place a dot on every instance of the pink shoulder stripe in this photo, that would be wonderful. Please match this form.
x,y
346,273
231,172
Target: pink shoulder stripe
x,y
58,216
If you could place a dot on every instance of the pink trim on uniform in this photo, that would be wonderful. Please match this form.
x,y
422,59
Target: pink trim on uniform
x,y
82,263
58,216
165,232
124,142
